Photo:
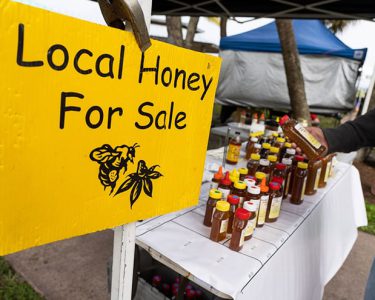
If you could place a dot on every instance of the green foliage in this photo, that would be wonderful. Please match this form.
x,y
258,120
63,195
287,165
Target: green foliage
x,y
370,228
12,286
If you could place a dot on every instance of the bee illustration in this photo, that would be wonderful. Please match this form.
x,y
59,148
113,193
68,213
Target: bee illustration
x,y
111,162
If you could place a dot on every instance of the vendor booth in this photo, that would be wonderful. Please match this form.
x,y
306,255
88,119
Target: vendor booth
x,y
253,74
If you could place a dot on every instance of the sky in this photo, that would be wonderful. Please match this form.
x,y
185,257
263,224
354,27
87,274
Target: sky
x,y
358,34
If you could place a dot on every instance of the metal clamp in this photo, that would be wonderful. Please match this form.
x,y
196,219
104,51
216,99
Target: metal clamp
x,y
116,12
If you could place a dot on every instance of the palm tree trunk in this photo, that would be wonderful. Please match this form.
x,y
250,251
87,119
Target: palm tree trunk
x,y
294,77
223,26
191,29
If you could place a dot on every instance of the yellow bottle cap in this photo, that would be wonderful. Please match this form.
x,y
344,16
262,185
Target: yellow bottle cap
x,y
234,173
280,140
255,156
274,150
288,145
243,171
260,175
275,134
302,165
222,205
241,185
266,145
215,194
233,178
272,158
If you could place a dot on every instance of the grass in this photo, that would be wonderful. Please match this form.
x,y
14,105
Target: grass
x,y
370,228
12,286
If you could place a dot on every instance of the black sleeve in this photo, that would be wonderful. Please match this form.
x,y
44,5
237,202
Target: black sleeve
x,y
352,135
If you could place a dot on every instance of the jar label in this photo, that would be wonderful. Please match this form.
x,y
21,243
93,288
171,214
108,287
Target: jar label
x,y
233,152
224,226
249,229
318,173
242,237
275,208
287,183
308,136
303,188
224,193
328,170
263,209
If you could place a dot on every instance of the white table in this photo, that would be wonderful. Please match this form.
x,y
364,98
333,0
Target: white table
x,y
292,258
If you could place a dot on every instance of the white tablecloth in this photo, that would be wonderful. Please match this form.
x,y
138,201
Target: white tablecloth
x,y
292,258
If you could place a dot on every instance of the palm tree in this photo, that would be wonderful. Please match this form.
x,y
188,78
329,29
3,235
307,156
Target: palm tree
x,y
292,65
174,28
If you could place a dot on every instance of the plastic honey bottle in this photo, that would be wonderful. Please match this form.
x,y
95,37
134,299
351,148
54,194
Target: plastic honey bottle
x,y
220,221
299,183
240,189
313,176
298,134
225,186
249,230
250,146
238,233
214,196
274,202
265,150
234,148
288,163
264,197
253,164
234,202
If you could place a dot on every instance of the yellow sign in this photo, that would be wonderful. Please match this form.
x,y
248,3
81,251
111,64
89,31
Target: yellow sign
x,y
94,134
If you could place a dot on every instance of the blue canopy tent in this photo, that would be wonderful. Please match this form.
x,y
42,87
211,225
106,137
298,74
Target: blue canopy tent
x,y
253,72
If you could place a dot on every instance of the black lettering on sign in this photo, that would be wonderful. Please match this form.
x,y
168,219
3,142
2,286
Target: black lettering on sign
x,y
105,57
76,60
179,118
111,112
142,69
20,47
64,108
51,51
142,113
121,63
165,78
193,77
206,86
178,74
88,117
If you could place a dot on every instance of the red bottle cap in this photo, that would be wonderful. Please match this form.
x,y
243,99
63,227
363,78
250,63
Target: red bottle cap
x,y
275,186
277,179
280,166
242,214
299,158
233,199
226,180
283,120
188,287
166,288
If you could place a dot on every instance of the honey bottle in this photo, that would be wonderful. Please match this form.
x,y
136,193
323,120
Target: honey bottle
x,y
273,160
264,197
265,150
257,149
326,167
304,139
234,202
253,164
214,196
274,202
299,183
264,167
286,146
220,221
250,227
217,177
250,146
234,149
279,143
239,224
290,153
240,189
253,196
288,163
243,173
333,163
273,138
225,186
279,175
313,175
297,159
